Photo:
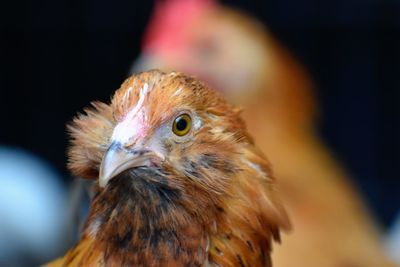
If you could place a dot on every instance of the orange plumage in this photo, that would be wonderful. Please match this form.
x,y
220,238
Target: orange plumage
x,y
180,181
239,57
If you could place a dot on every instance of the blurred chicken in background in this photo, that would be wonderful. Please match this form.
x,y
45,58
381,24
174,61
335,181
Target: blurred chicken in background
x,y
235,54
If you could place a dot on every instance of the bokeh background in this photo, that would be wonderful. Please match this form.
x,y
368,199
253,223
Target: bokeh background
x,y
57,56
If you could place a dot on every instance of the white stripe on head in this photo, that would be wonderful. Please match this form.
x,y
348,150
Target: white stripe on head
x,y
177,92
133,123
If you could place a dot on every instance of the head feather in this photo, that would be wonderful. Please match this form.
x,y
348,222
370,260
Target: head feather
x,y
92,132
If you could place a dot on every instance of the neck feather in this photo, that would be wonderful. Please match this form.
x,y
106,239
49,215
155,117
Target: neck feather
x,y
139,221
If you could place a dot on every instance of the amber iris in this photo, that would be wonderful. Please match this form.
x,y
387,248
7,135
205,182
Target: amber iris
x,y
182,125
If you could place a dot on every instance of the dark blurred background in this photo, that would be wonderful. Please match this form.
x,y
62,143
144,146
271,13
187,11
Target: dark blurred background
x,y
57,56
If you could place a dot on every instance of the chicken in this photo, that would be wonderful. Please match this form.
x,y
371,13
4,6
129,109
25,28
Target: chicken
x,y
236,55
180,182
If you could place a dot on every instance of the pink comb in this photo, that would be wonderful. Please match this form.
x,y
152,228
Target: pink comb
x,y
166,30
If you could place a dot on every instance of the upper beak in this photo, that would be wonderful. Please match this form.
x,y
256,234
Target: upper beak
x,y
118,159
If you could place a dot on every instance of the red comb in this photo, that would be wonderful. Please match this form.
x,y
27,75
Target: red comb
x,y
169,21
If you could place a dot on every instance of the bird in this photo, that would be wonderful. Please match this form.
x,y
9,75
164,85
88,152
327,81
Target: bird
x,y
235,54
178,180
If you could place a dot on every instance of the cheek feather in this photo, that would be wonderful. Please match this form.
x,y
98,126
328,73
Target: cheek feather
x,y
255,167
197,123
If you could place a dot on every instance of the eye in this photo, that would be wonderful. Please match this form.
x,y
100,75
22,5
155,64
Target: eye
x,y
182,125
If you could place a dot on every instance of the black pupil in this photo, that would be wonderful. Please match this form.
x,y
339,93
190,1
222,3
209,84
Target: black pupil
x,y
181,124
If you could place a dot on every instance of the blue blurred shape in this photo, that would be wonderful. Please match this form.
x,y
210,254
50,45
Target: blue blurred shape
x,y
393,242
32,209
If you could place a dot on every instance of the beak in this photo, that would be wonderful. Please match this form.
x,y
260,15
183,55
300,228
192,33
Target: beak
x,y
118,159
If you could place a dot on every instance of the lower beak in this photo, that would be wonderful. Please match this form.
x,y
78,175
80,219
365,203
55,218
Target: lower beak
x,y
117,160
